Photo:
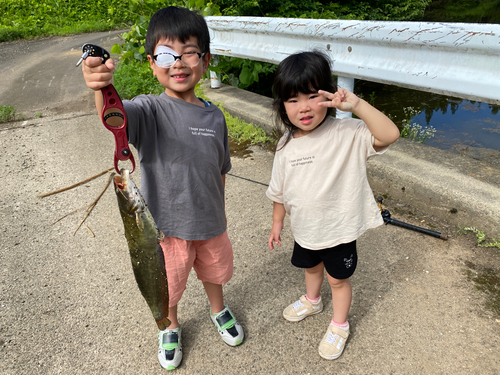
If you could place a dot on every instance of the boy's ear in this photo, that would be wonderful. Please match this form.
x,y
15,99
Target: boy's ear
x,y
152,64
206,61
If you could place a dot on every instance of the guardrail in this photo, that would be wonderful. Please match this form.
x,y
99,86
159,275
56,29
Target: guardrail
x,y
455,59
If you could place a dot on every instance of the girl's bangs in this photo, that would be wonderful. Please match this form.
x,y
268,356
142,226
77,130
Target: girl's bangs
x,y
302,82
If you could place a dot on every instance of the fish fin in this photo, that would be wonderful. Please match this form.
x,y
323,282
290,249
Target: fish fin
x,y
138,220
161,236
163,323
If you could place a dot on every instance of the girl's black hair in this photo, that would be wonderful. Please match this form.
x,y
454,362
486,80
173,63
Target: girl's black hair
x,y
303,72
177,24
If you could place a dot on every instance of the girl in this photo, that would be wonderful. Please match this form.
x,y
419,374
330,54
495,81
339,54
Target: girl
x,y
319,179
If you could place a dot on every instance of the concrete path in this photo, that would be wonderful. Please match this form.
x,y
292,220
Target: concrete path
x,y
69,303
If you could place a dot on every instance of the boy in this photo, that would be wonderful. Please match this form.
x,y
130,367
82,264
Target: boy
x,y
183,149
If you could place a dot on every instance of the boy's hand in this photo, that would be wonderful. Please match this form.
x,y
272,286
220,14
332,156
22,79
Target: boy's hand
x,y
96,74
343,100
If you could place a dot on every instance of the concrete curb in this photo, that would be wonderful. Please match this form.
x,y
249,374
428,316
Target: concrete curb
x,y
462,190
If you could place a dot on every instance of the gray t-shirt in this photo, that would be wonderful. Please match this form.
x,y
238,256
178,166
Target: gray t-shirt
x,y
183,151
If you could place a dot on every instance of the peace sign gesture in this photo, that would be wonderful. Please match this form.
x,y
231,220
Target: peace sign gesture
x,y
343,100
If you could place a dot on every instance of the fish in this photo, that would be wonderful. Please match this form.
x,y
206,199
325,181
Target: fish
x,y
146,254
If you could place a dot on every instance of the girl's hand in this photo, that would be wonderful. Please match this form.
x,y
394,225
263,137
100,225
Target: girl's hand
x,y
343,100
275,236
96,74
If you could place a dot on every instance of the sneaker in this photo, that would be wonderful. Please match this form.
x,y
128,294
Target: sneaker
x,y
170,348
332,345
229,329
301,309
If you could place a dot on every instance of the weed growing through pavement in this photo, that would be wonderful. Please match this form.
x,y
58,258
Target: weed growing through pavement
x,y
8,113
481,237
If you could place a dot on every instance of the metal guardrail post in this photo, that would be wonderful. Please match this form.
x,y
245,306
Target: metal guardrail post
x,y
346,83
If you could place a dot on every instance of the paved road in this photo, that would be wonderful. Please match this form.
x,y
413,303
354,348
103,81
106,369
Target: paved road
x,y
40,76
69,303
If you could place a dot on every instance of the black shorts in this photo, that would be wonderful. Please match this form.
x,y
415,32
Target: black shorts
x,y
340,261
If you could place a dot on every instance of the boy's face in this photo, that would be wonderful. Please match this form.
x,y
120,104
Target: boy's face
x,y
179,80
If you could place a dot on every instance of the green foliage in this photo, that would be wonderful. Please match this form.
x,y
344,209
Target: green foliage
x,y
323,9
243,131
31,18
132,78
28,19
484,11
241,73
133,47
8,113
371,98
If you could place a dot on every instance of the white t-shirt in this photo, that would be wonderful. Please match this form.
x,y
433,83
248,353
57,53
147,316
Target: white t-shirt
x,y
321,180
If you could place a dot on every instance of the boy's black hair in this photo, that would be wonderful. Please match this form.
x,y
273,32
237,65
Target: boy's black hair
x,y
303,72
177,24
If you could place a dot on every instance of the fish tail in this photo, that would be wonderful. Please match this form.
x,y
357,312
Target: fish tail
x,y
163,323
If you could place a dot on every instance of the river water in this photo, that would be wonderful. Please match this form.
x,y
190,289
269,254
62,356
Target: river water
x,y
464,127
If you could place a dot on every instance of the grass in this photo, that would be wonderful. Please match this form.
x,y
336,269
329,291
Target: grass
x,y
242,131
30,19
8,113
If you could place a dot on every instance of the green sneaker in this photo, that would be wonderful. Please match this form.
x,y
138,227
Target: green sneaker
x,y
170,348
228,327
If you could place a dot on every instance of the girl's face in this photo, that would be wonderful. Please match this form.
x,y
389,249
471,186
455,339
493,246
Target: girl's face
x,y
303,112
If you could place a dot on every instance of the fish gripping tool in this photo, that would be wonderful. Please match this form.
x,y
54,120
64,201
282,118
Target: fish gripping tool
x,y
113,115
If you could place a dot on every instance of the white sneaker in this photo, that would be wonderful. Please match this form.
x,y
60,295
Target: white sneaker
x,y
333,342
228,327
170,348
301,309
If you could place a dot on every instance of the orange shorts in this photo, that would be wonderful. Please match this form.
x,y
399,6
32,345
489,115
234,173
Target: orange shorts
x,y
212,260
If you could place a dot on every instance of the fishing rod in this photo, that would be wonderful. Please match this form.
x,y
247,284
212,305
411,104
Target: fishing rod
x,y
386,215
